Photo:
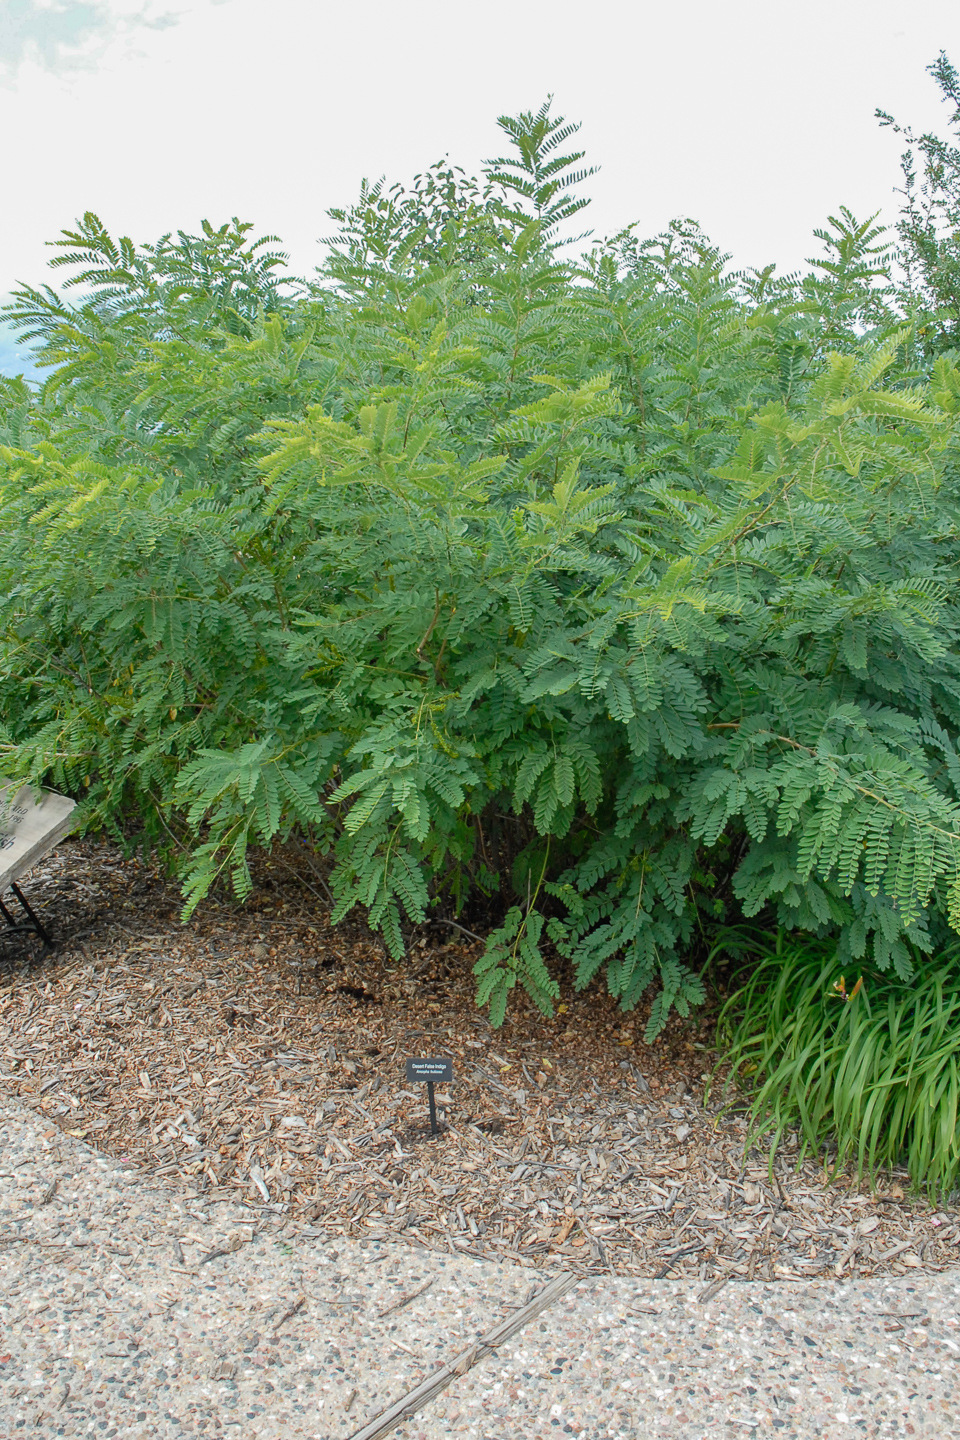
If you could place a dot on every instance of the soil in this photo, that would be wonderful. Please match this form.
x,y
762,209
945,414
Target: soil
x,y
259,1053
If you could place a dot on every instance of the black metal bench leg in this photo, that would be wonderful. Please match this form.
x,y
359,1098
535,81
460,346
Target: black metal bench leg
x,y
34,924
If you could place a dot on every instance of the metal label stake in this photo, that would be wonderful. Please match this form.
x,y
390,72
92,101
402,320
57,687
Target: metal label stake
x,y
429,1072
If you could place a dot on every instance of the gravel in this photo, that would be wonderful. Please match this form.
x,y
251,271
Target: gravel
x,y
625,1359
106,1331
132,1309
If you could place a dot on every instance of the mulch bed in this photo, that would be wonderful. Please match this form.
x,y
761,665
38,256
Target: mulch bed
x,y
258,1054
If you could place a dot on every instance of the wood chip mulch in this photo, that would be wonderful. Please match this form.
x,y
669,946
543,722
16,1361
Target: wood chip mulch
x,y
258,1054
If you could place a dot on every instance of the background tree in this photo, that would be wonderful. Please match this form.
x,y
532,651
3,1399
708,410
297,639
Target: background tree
x,y
929,224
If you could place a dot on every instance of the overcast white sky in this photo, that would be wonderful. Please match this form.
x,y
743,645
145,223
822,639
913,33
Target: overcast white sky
x,y
756,117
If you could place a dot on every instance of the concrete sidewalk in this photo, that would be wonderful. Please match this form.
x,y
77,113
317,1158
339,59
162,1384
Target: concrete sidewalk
x,y
132,1310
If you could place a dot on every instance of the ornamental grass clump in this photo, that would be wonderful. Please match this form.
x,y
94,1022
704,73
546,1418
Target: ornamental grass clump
x,y
849,1056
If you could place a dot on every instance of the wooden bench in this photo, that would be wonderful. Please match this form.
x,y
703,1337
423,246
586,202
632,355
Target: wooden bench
x,y
32,823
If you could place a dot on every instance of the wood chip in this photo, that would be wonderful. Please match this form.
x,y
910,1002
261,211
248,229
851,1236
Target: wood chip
x,y
405,1300
186,1049
288,1314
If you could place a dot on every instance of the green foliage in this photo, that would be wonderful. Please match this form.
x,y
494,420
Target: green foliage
x,y
857,1057
538,176
612,597
929,226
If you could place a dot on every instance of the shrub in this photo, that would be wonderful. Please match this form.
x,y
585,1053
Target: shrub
x,y
859,1058
616,593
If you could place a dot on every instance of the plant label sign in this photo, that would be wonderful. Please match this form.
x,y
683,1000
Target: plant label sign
x,y
429,1072
438,1071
